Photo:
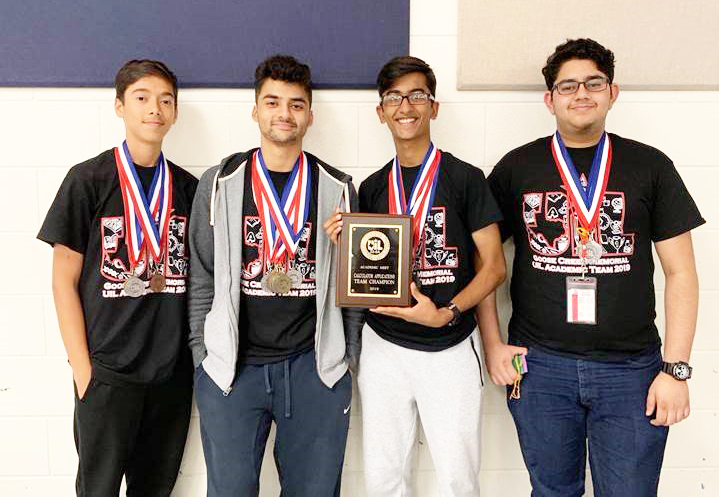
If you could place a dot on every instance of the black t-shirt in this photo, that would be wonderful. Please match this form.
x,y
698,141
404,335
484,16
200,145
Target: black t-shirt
x,y
645,201
273,327
131,340
463,204
146,175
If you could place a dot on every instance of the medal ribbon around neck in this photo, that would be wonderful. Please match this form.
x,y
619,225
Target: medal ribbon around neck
x,y
146,223
586,203
421,197
282,219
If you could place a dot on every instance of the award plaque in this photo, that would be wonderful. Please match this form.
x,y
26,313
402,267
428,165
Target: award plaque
x,y
374,260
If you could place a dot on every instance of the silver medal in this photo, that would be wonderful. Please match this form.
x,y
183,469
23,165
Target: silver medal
x,y
594,251
296,276
134,287
280,283
264,282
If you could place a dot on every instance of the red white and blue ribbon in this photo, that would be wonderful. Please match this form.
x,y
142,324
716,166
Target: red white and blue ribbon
x,y
422,194
283,218
146,222
585,201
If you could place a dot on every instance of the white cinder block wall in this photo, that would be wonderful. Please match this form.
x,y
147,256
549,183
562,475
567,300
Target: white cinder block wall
x,y
45,131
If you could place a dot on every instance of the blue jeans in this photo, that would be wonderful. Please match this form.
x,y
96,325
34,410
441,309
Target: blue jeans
x,y
568,404
312,422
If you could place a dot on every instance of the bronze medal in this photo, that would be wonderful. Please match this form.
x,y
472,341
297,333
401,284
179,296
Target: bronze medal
x,y
134,287
157,282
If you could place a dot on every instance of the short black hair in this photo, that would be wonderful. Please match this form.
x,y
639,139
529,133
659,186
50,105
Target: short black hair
x,y
401,66
134,70
583,49
283,68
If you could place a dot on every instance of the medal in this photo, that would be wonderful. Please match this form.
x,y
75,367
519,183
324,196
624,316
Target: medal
x,y
147,220
279,282
134,287
296,276
422,195
594,251
157,282
283,220
264,282
585,202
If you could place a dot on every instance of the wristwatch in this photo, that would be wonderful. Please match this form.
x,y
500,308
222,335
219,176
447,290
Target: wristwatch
x,y
679,370
456,314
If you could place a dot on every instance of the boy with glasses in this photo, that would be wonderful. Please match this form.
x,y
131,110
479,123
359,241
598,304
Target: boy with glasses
x,y
421,361
583,207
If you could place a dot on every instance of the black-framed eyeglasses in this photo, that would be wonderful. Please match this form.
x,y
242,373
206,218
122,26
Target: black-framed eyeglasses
x,y
414,98
570,87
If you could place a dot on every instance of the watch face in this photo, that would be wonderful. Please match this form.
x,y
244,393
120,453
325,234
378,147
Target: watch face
x,y
682,371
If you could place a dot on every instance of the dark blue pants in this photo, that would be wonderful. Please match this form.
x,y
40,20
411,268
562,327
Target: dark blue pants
x,y
568,404
312,422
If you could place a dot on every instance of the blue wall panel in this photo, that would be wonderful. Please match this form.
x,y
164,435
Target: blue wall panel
x,y
207,43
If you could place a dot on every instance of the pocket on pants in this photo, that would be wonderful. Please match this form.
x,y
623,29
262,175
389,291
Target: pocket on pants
x,y
90,386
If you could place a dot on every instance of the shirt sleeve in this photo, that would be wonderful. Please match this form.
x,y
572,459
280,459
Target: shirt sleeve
x,y
69,219
498,181
480,205
674,211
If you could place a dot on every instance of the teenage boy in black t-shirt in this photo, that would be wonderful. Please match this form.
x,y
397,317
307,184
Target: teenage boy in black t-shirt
x,y
267,341
583,207
118,227
422,360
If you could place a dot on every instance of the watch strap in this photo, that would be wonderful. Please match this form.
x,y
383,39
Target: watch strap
x,y
456,314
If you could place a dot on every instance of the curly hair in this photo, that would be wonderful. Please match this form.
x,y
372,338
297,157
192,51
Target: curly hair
x,y
283,68
583,49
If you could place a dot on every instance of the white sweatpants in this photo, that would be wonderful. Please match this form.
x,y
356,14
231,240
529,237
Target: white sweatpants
x,y
444,388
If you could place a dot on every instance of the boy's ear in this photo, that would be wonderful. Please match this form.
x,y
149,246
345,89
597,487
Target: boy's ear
x,y
119,107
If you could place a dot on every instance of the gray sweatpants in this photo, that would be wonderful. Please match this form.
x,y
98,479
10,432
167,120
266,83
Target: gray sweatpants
x,y
444,388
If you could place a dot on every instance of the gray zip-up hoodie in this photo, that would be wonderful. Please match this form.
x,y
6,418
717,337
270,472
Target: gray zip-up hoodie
x,y
216,267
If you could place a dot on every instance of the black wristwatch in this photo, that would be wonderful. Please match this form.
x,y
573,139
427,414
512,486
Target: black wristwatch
x,y
679,370
456,314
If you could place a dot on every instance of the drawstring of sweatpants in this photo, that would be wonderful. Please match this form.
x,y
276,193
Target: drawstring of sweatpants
x,y
288,396
268,387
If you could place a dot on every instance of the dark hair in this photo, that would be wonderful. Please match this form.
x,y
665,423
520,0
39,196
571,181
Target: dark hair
x,y
401,66
583,49
283,68
134,70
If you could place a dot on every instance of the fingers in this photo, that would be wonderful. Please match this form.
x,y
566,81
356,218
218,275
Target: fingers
x,y
333,226
415,292
397,312
651,403
668,415
518,350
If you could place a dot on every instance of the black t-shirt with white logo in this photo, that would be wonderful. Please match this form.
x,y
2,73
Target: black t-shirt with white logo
x,y
645,201
131,340
463,204
273,327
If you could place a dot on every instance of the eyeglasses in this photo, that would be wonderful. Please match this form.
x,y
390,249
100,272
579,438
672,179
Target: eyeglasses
x,y
570,87
414,98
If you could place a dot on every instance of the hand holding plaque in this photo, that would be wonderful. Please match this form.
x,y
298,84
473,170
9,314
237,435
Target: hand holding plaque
x,y
374,260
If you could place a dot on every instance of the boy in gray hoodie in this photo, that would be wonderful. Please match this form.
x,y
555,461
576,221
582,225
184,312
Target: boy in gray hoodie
x,y
267,341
